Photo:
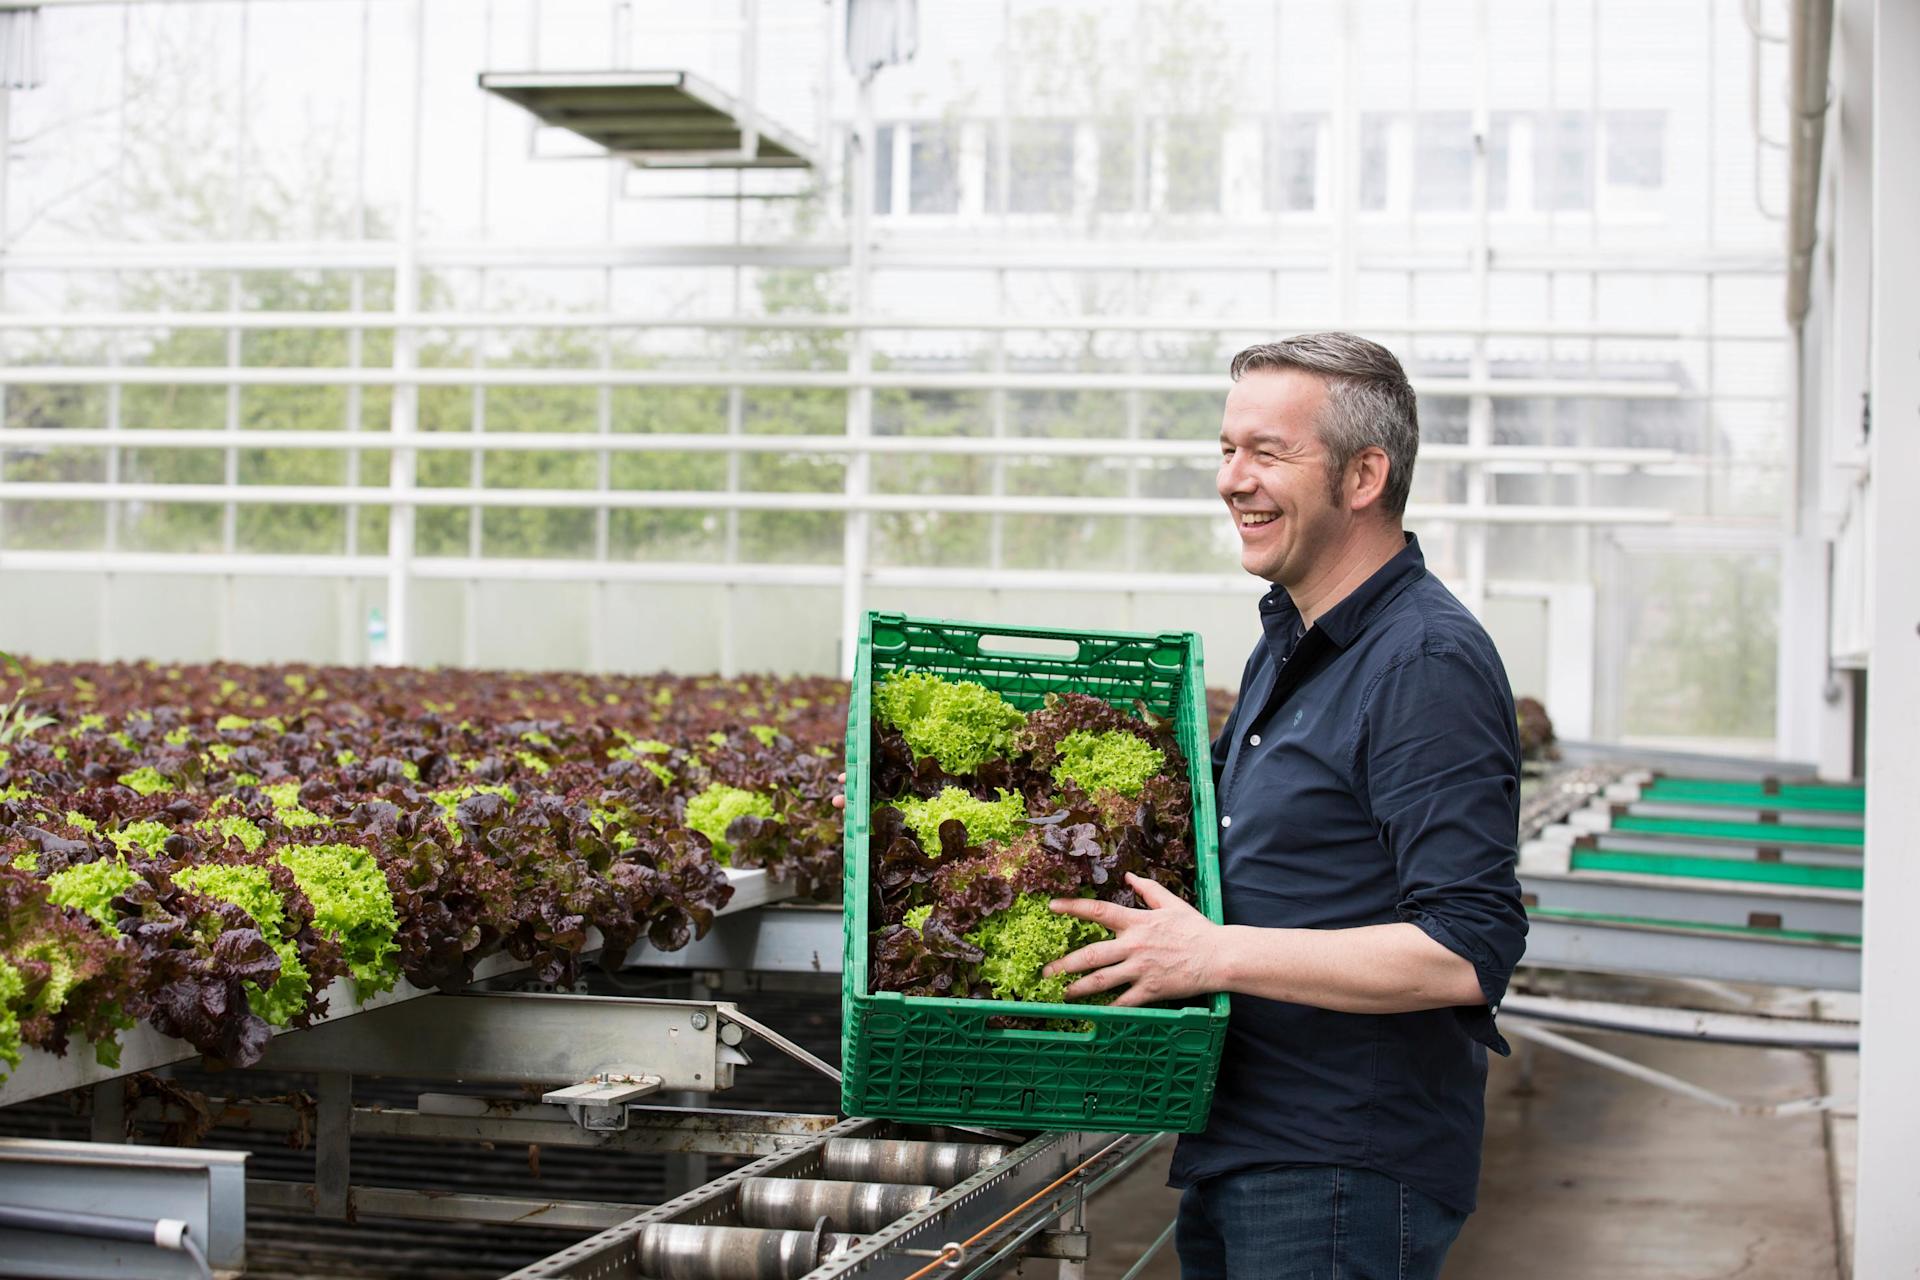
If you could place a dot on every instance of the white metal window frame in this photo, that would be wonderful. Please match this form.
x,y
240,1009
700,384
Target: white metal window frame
x,y
864,252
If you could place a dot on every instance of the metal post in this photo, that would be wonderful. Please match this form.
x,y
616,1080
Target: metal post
x,y
853,590
1345,169
749,77
230,473
333,1144
1479,407
6,156
736,425
1136,414
686,1170
1843,442
997,416
109,1119
405,422
1887,1226
620,38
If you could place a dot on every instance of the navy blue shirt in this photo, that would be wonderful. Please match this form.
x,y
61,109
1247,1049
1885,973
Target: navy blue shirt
x,y
1369,773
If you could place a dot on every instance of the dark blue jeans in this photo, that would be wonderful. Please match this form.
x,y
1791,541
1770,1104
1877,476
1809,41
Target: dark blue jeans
x,y
1311,1222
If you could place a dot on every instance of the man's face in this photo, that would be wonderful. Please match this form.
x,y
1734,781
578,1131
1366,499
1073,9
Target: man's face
x,y
1273,474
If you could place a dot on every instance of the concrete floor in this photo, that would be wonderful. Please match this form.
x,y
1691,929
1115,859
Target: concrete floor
x,y
1590,1175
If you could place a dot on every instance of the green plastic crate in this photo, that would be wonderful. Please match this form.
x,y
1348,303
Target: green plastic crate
x,y
935,1059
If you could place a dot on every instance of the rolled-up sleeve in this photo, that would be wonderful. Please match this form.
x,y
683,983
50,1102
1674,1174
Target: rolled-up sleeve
x,y
1437,761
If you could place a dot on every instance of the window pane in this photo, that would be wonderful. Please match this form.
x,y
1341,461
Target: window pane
x,y
1702,641
1041,167
1191,148
1563,161
934,181
883,169
1636,148
1443,161
1499,158
1292,153
1374,127
1116,169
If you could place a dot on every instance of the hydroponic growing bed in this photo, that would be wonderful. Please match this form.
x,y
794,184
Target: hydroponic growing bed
x,y
205,854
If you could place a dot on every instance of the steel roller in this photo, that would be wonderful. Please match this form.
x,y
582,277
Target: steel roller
x,y
941,1164
683,1251
849,1206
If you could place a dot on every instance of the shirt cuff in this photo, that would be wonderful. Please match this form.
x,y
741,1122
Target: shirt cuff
x,y
1475,1019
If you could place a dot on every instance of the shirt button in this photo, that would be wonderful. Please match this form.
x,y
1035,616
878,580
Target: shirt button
x,y
1254,741
1226,822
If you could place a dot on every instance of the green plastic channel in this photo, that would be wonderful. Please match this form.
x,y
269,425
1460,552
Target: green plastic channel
x,y
1687,866
1759,833
1741,930
1752,795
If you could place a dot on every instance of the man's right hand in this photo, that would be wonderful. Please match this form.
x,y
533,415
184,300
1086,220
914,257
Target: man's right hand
x,y
840,800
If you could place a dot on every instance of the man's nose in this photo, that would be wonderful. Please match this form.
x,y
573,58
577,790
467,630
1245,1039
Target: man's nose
x,y
1234,477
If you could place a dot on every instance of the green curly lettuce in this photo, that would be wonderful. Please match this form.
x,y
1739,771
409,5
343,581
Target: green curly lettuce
x,y
984,820
959,723
1024,939
251,889
449,799
713,811
145,836
231,826
285,799
91,887
1109,761
351,905
146,780
13,989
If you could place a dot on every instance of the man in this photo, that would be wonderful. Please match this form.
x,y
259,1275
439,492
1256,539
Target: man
x,y
1368,785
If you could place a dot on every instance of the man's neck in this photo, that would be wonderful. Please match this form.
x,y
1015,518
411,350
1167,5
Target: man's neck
x,y
1358,559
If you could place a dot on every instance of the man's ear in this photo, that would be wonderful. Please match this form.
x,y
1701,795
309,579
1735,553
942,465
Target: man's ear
x,y
1366,479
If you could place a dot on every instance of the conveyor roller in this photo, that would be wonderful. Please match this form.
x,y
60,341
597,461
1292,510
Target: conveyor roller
x,y
943,1164
794,1203
683,1251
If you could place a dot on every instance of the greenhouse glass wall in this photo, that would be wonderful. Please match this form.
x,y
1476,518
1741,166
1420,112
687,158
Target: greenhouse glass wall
x,y
321,344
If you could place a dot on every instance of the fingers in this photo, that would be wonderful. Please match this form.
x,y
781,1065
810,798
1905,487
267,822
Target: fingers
x,y
1105,913
1114,975
1152,892
840,802
1093,956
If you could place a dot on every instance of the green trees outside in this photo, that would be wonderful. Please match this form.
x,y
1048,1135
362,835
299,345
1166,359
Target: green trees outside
x,y
1704,635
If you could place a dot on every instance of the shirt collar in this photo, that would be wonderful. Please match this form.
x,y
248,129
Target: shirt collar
x,y
1348,618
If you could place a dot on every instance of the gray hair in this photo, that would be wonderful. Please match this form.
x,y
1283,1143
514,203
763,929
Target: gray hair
x,y
1369,403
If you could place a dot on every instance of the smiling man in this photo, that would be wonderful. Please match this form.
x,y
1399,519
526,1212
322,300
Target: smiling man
x,y
1368,784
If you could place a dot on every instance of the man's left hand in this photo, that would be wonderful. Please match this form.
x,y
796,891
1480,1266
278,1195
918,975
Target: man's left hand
x,y
1166,951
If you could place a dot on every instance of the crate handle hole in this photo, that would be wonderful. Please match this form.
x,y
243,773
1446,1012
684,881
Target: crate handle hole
x,y
1030,647
1025,1033
889,639
1167,657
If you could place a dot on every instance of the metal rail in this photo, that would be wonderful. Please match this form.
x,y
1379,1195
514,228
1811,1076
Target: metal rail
x,y
1731,903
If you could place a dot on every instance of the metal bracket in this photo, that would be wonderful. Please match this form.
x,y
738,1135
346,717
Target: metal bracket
x,y
207,1190
600,1104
